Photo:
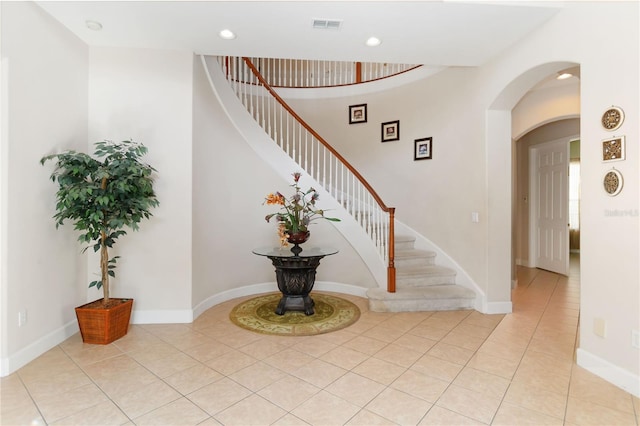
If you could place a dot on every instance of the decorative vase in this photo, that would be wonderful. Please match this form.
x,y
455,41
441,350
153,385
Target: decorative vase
x,y
298,237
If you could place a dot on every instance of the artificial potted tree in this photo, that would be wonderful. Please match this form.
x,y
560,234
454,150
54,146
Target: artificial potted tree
x,y
103,194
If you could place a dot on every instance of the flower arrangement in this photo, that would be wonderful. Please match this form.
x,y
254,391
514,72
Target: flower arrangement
x,y
297,212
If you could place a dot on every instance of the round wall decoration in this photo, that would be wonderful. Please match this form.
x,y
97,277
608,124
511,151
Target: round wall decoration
x,y
612,118
612,182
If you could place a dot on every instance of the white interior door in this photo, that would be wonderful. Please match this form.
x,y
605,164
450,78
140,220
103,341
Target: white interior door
x,y
550,206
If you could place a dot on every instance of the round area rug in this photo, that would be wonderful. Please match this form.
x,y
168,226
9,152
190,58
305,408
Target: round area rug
x,y
258,314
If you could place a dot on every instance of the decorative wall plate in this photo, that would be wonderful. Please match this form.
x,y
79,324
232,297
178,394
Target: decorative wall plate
x,y
612,118
613,149
612,182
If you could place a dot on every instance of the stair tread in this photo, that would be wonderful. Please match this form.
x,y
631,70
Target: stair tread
x,y
445,291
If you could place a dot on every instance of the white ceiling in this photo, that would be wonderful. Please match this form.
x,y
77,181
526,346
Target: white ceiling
x,y
438,33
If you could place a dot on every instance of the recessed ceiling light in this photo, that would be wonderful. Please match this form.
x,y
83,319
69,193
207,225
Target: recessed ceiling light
x,y
373,41
93,25
227,34
564,76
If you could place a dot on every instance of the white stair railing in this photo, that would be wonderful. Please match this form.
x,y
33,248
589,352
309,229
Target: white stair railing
x,y
312,153
300,73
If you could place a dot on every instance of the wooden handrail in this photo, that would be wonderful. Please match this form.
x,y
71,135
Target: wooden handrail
x,y
304,124
391,284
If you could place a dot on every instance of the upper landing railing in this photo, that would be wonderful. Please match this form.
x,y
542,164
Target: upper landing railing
x,y
312,153
299,73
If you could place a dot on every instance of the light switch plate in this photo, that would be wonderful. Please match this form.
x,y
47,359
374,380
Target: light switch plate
x,y
600,327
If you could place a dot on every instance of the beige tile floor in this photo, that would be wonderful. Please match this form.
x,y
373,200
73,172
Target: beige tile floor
x,y
428,368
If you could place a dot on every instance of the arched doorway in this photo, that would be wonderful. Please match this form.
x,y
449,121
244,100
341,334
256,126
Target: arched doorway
x,y
502,132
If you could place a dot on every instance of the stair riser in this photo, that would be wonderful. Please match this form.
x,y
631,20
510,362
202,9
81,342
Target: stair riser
x,y
425,281
404,245
415,261
420,305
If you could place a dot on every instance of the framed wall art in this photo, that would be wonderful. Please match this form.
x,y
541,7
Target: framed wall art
x,y
422,149
391,131
612,182
612,118
613,149
358,113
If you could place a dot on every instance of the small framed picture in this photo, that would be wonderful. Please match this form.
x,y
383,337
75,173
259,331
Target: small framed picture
x,y
391,131
358,113
613,149
423,149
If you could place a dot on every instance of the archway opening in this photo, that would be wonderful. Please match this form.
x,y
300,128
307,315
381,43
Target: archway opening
x,y
505,124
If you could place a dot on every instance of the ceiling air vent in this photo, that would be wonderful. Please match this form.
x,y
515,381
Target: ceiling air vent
x,y
327,24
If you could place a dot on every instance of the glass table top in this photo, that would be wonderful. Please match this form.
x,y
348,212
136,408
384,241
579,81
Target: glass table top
x,y
286,251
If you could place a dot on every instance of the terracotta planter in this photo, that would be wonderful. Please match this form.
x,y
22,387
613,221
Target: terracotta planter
x,y
103,325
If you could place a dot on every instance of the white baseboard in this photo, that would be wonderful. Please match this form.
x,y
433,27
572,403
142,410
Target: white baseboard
x,y
182,316
497,308
271,287
613,374
232,294
341,288
27,354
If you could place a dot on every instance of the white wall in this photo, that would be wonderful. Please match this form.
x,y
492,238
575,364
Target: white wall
x,y
423,192
229,185
610,273
545,105
145,95
44,101
612,294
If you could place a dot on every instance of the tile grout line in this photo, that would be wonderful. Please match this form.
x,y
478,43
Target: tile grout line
x,y
527,347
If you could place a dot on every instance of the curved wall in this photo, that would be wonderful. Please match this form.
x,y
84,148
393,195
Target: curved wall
x,y
230,182
544,106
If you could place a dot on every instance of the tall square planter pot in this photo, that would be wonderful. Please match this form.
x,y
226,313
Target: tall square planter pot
x,y
103,325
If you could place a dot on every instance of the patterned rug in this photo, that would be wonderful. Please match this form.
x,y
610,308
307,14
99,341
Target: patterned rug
x,y
258,314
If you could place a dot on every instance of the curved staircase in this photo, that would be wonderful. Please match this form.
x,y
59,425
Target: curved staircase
x,y
421,285
414,282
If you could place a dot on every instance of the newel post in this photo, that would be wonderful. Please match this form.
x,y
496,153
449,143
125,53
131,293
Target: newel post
x,y
391,269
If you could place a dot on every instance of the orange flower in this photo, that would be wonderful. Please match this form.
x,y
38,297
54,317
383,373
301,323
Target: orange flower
x,y
276,198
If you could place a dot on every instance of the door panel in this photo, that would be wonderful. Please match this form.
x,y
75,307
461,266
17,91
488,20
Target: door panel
x,y
551,198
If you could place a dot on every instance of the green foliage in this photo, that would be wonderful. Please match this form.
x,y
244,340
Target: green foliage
x,y
110,271
103,194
